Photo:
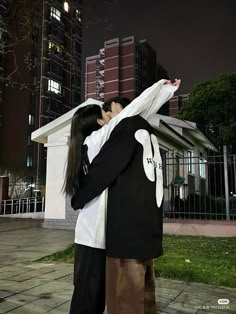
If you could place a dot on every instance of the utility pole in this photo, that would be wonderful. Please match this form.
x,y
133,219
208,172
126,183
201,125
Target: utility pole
x,y
226,183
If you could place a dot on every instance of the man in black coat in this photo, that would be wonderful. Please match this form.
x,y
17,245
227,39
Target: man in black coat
x,y
129,165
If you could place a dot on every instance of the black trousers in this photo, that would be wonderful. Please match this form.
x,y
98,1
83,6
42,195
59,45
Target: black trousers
x,y
89,281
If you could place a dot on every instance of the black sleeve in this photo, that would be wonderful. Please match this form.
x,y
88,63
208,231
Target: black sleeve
x,y
107,165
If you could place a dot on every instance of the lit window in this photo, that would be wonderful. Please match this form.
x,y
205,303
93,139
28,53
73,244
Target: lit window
x,y
29,162
31,119
55,13
202,168
53,47
190,162
77,14
66,6
54,87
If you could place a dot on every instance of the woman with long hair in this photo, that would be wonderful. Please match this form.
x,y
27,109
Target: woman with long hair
x,y
85,120
89,295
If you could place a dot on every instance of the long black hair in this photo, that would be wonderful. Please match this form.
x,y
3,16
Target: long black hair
x,y
84,122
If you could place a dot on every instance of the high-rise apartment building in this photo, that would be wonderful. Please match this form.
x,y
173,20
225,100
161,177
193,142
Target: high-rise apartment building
x,y
122,67
41,79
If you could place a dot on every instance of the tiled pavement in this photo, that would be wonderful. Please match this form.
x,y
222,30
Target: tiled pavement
x,y
28,287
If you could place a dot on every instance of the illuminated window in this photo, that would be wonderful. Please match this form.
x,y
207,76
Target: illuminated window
x,y
31,119
55,13
54,87
190,162
53,47
29,161
77,14
202,168
66,6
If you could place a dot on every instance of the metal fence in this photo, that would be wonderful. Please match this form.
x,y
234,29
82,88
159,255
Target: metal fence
x,y
22,206
200,187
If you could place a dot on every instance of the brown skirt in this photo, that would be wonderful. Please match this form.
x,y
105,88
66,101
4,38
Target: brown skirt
x,y
130,286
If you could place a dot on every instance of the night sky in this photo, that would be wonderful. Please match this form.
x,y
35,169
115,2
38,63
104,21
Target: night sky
x,y
194,40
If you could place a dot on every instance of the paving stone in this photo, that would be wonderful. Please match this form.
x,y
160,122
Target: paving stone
x,y
61,309
162,302
31,287
24,310
28,273
49,288
171,293
192,298
178,308
17,287
44,304
14,301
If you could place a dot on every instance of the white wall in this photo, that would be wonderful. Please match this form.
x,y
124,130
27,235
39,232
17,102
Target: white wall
x,y
55,200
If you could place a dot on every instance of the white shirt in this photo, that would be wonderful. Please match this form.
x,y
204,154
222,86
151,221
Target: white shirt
x,y
91,223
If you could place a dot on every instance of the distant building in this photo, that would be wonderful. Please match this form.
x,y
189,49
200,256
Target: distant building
x,y
123,67
47,85
176,103
172,107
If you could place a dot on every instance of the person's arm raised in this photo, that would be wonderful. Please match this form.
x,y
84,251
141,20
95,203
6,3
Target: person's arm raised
x,y
145,104
166,92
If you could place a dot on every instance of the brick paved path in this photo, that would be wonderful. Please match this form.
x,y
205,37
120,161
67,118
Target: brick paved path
x,y
28,287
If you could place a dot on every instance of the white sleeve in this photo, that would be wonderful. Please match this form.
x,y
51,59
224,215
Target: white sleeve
x,y
166,92
146,104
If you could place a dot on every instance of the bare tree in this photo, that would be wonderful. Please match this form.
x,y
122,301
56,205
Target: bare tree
x,y
23,26
20,29
19,181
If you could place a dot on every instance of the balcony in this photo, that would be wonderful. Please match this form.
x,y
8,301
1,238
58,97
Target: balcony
x,y
76,97
54,107
56,34
55,70
102,62
77,32
55,90
76,82
53,55
55,76
55,14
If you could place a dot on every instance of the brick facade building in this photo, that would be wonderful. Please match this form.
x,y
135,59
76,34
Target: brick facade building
x,y
123,67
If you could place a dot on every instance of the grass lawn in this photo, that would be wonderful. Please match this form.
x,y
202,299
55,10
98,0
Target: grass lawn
x,y
199,259
188,258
